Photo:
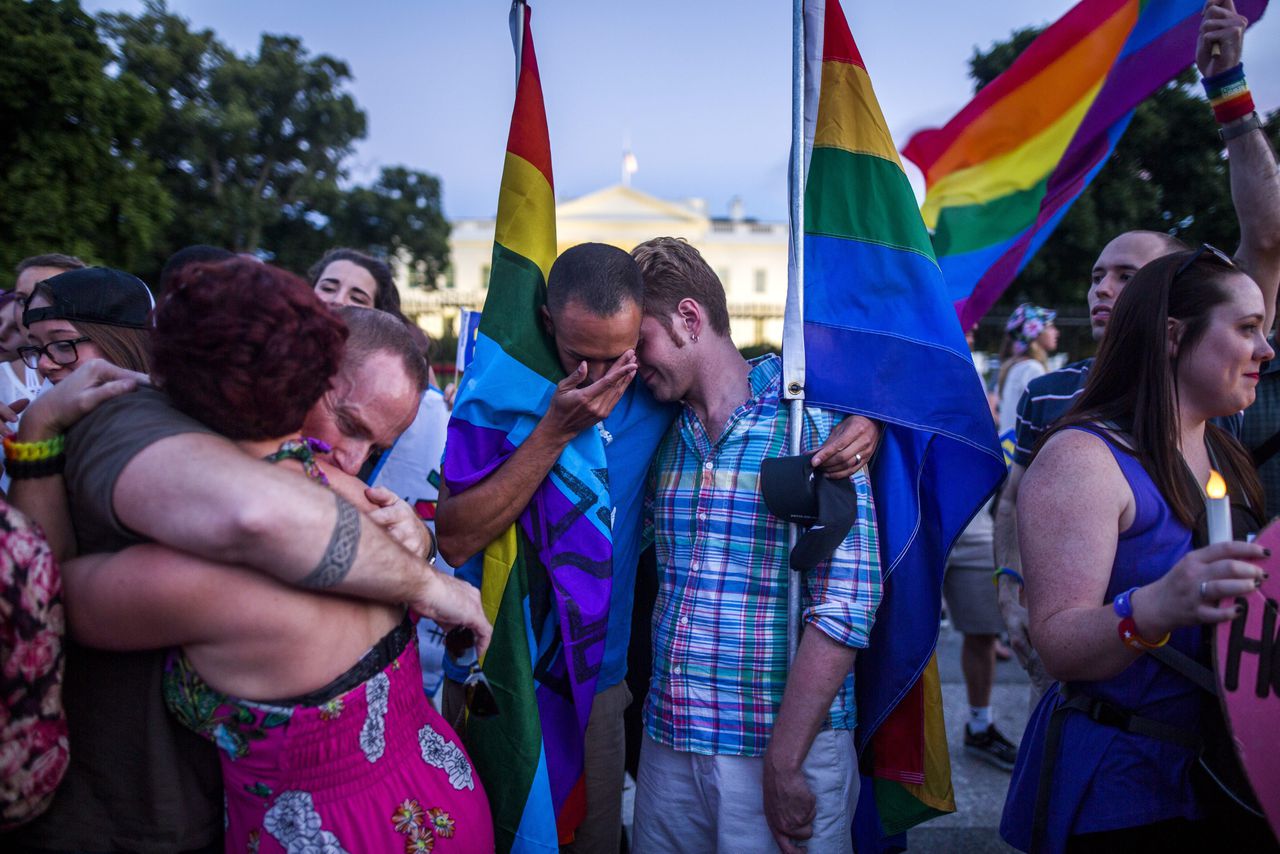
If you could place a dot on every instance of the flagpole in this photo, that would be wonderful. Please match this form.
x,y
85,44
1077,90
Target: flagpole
x,y
793,325
517,34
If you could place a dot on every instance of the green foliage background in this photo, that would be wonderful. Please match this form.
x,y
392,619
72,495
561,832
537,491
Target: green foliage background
x,y
128,137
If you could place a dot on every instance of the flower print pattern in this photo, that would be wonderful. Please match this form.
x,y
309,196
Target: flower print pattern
x,y
33,729
447,756
373,733
295,824
331,710
407,816
233,725
440,822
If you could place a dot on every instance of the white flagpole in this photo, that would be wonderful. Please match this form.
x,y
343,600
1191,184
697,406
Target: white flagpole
x,y
793,364
517,34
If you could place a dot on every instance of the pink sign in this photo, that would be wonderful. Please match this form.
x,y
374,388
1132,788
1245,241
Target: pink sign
x,y
1247,661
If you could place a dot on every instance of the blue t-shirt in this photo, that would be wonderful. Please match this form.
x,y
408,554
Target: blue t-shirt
x,y
632,433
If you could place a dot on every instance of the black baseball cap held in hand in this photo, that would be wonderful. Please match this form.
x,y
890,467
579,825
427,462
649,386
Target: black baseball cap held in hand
x,y
94,295
795,491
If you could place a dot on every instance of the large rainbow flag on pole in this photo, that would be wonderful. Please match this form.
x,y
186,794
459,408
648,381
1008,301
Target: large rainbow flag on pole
x,y
1004,171
545,583
881,340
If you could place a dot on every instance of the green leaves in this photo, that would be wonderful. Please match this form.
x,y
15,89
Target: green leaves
x,y
135,135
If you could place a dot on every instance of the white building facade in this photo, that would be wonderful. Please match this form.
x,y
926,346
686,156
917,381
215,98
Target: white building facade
x,y
749,256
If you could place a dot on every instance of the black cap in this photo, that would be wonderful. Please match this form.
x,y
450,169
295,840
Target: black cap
x,y
796,492
94,295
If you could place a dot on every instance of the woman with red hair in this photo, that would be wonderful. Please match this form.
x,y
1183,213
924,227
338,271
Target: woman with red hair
x,y
327,740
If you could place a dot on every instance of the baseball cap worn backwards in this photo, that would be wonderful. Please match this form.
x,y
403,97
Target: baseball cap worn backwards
x,y
94,295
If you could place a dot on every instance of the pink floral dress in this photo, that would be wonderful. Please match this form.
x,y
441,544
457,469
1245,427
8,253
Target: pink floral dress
x,y
370,767
374,768
33,728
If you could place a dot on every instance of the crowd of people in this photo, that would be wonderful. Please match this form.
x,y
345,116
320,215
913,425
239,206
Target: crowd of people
x,y
221,611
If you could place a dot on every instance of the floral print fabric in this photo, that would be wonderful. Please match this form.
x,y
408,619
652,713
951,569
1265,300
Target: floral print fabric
x,y
351,774
33,729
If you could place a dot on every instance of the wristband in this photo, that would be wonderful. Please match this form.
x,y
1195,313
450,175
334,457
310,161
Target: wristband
x,y
1123,605
1249,123
1129,636
1012,573
26,452
1229,94
27,470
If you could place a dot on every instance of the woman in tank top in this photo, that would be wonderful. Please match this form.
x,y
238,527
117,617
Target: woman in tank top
x,y
326,739
1106,513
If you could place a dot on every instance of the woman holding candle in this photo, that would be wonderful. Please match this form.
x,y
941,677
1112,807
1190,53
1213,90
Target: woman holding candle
x,y
1106,517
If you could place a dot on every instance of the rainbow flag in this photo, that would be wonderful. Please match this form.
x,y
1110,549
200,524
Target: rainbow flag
x,y
544,583
882,340
1004,171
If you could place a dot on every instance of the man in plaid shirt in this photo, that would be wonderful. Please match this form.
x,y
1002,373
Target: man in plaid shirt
x,y
728,726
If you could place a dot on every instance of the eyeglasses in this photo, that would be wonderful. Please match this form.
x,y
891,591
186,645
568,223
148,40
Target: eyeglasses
x,y
1205,249
59,352
460,644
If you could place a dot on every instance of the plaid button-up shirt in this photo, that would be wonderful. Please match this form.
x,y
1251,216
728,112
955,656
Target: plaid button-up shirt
x,y
720,621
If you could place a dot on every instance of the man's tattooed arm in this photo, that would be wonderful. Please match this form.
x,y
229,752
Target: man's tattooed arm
x,y
340,555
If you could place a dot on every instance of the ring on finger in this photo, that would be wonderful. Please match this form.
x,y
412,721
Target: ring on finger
x,y
857,458
1204,589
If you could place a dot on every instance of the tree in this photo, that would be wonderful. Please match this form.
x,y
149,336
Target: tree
x,y
1167,173
75,176
242,139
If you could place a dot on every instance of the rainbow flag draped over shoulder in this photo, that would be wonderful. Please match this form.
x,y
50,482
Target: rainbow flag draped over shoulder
x,y
1004,171
545,583
881,340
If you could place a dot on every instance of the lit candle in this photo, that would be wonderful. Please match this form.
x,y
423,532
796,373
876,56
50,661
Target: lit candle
x,y
1218,508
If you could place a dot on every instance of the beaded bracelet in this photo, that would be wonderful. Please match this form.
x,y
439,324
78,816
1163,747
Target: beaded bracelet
x,y
1229,94
1012,573
29,452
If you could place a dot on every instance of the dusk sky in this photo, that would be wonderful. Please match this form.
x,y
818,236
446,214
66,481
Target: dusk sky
x,y
699,88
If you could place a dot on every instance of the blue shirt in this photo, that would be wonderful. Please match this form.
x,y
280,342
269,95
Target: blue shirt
x,y
632,433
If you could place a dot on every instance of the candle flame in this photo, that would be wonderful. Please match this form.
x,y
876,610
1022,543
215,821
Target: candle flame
x,y
1216,487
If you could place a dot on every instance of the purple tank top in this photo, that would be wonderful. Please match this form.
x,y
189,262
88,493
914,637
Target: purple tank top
x,y
1106,779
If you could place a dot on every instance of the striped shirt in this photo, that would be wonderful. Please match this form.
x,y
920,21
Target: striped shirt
x,y
1049,397
1046,399
720,620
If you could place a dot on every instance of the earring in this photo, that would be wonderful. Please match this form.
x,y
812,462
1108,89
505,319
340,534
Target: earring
x,y
693,337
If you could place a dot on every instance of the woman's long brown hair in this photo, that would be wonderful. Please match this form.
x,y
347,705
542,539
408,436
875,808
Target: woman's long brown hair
x,y
1133,380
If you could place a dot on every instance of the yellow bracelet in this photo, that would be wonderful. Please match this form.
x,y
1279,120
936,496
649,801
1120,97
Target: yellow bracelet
x,y
31,452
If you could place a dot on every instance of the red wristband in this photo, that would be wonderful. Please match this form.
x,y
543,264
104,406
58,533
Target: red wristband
x,y
1128,630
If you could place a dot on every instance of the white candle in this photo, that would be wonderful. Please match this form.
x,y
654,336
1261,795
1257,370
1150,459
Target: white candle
x,y
1218,509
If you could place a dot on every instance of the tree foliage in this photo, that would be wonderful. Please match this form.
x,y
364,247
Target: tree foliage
x,y
166,137
74,173
1167,173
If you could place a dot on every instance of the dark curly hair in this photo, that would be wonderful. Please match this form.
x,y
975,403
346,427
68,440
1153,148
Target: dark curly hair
x,y
245,348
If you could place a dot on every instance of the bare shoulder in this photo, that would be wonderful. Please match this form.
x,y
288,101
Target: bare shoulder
x,y
1075,472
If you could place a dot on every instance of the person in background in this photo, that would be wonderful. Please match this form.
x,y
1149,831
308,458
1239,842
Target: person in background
x,y
199,253
1255,194
93,313
350,277
17,381
1029,337
1112,535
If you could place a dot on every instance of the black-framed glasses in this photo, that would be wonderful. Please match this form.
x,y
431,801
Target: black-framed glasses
x,y
460,644
1206,249
59,352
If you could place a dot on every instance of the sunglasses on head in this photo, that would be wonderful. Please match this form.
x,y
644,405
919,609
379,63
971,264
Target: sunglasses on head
x,y
460,644
1211,251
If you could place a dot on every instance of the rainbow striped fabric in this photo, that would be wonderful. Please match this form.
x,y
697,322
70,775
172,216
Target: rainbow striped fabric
x,y
1004,171
545,583
881,340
